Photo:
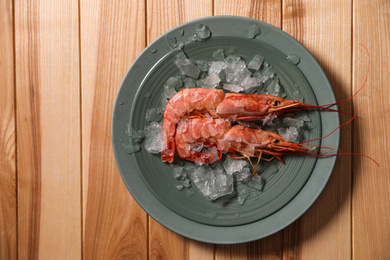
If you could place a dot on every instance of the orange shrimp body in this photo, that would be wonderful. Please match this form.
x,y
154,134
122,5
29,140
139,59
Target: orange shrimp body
x,y
197,138
203,140
215,102
184,103
256,142
253,107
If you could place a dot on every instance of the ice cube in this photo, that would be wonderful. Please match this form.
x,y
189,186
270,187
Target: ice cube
x,y
180,187
187,183
189,82
294,59
232,87
233,58
195,147
234,165
137,136
219,54
203,65
210,151
256,62
289,134
273,87
213,184
174,82
187,68
265,74
250,82
237,72
268,119
255,182
242,196
211,81
202,33
253,31
154,138
243,174
215,67
171,41
168,92
293,122
153,114
178,172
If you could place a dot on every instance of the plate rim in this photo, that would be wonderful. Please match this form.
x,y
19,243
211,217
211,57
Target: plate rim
x,y
216,234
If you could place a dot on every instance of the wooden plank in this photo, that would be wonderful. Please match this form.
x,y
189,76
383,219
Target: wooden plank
x,y
112,35
162,16
320,26
266,11
166,14
371,185
48,120
269,12
8,243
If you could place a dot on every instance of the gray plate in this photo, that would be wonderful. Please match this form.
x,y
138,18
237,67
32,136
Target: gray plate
x,y
287,194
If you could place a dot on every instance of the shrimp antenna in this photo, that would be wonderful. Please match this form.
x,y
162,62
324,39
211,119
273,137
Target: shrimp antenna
x,y
364,83
326,107
323,137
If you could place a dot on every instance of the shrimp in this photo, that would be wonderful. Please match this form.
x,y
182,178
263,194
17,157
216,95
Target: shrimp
x,y
203,140
197,138
184,103
218,104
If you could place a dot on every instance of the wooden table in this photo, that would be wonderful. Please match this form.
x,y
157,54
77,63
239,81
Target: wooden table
x,y
61,64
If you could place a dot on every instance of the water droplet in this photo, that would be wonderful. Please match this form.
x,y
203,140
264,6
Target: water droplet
x,y
181,32
294,59
153,50
120,103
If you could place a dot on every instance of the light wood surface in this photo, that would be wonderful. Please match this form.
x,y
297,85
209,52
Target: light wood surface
x,y
61,64
8,226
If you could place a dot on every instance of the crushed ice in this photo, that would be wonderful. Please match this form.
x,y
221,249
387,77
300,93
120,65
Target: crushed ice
x,y
230,72
154,138
212,183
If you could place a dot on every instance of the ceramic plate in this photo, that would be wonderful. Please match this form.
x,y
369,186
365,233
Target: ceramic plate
x,y
290,188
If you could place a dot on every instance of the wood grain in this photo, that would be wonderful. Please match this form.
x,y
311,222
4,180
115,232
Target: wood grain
x,y
162,16
112,35
269,12
48,137
166,14
323,232
266,11
61,64
8,228
371,184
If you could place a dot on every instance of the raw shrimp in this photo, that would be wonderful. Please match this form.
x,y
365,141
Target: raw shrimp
x,y
218,104
197,138
203,140
184,103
